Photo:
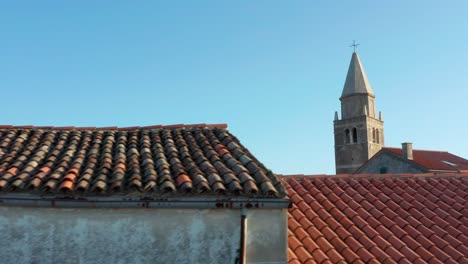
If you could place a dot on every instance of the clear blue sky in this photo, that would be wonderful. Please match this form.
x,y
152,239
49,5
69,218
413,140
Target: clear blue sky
x,y
272,70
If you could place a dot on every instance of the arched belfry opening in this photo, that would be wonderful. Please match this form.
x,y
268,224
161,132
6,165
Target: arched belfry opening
x,y
347,136
355,136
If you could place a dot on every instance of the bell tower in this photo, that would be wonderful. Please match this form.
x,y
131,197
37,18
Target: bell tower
x,y
359,134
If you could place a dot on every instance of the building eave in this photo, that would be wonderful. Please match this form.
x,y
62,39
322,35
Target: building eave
x,y
443,171
356,94
142,202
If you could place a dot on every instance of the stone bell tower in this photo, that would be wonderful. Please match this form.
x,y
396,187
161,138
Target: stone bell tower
x,y
359,134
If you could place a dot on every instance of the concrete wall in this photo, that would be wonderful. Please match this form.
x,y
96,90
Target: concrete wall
x,y
392,163
138,235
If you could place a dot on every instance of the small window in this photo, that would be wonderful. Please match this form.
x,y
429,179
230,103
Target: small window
x,y
373,135
347,137
354,135
383,170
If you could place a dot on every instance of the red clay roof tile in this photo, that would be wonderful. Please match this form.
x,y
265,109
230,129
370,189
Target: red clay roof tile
x,y
349,255
309,244
379,219
301,234
302,254
319,256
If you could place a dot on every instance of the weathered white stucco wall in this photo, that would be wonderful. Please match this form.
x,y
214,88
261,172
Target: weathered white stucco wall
x,y
139,235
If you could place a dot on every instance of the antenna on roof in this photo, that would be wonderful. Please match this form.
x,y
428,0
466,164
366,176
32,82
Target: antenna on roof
x,y
355,44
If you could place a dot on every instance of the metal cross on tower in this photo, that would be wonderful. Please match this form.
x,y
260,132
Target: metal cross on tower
x,y
355,44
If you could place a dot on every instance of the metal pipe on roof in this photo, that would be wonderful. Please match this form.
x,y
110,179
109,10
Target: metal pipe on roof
x,y
243,237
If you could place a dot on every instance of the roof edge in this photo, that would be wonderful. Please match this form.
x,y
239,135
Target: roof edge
x,y
374,176
426,150
142,202
130,128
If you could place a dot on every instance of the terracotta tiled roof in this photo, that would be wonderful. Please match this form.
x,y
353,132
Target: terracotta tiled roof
x,y
434,160
178,159
419,218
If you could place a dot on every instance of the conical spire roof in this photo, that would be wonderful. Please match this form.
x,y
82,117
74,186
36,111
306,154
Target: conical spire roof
x,y
356,80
